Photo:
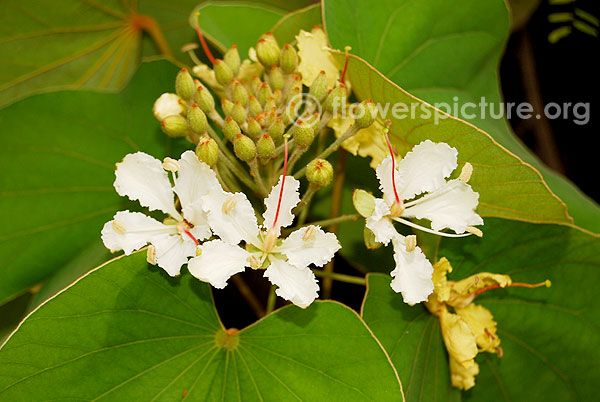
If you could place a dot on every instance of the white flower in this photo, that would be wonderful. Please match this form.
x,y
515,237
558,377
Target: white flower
x,y
143,178
167,105
232,218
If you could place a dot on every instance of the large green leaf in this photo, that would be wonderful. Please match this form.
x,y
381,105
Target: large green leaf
x,y
445,52
127,332
550,337
286,29
57,155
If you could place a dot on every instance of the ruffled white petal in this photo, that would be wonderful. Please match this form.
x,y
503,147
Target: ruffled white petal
x,y
384,174
231,216
289,199
450,206
297,285
381,226
141,177
218,262
167,105
413,274
425,168
309,245
130,231
172,251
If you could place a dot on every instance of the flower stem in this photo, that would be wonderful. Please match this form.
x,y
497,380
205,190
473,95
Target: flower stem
x,y
257,177
357,280
247,294
304,204
326,222
230,160
271,300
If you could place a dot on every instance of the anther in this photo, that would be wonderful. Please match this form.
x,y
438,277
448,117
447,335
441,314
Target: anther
x,y
466,172
228,205
118,227
151,255
473,230
170,165
309,234
410,242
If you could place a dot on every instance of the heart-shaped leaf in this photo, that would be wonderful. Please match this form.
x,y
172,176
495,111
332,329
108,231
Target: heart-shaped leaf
x,y
126,332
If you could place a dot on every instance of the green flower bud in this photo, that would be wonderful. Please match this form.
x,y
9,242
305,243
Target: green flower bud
x,y
294,94
184,84
238,112
175,126
244,148
230,128
240,94
207,151
365,114
264,93
319,89
276,130
296,83
278,96
276,78
370,241
255,84
223,72
197,119
288,59
227,106
254,106
204,99
232,58
290,113
269,119
364,203
270,105
336,99
265,147
303,134
254,129
319,173
267,50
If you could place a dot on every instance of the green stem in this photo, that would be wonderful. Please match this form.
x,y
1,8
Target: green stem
x,y
325,222
258,177
357,280
298,152
272,299
303,206
230,161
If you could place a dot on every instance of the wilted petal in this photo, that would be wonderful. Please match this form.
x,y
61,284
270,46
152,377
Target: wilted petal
x,y
231,216
167,105
386,185
450,206
309,245
462,375
172,251
130,231
458,337
413,273
218,262
297,285
381,226
425,168
289,199
141,177
482,323
314,58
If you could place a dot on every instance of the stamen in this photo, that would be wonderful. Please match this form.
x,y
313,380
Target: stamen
x,y
228,205
309,234
151,255
285,161
546,283
410,242
170,165
118,227
473,230
466,172
389,144
424,229
346,50
202,41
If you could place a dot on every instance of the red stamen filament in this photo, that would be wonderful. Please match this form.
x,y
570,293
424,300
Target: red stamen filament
x,y
285,158
187,232
343,77
512,285
389,144
203,42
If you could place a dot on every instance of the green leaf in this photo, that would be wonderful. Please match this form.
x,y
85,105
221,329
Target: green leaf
x,y
286,29
449,53
549,336
57,155
144,336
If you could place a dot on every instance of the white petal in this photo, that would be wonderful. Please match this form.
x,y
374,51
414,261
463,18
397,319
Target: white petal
x,y
218,262
381,226
309,245
413,273
231,216
130,231
425,168
450,206
289,199
384,174
297,285
167,105
141,177
172,251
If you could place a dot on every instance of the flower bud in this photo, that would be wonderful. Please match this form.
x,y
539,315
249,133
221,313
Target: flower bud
x,y
223,72
276,78
277,97
288,59
369,238
365,114
184,84
238,113
175,126
240,94
254,106
270,105
265,147
264,93
336,99
232,58
204,99
207,151
226,106
290,114
276,130
270,119
296,83
244,148
364,203
267,50
319,88
303,134
294,94
254,129
230,128
197,119
168,105
255,84
319,173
